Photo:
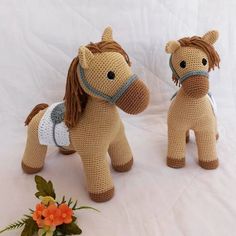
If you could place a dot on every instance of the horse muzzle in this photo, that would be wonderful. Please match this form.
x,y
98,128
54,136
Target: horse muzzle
x,y
135,99
196,86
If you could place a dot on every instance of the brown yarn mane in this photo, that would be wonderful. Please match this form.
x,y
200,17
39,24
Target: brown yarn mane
x,y
108,46
199,43
75,97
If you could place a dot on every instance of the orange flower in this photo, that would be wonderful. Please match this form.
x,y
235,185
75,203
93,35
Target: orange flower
x,y
66,213
52,216
37,215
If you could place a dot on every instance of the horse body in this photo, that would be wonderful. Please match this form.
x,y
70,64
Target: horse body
x,y
187,114
191,60
99,79
186,111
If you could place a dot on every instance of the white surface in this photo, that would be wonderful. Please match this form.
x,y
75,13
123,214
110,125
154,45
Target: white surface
x,y
46,129
38,39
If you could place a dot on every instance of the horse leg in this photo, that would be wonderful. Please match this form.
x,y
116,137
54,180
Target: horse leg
x,y
176,148
67,150
34,155
206,143
216,130
120,152
187,136
98,175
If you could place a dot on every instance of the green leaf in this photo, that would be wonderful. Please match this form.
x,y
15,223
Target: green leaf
x,y
86,207
44,188
69,229
74,206
63,200
72,228
70,202
30,227
16,225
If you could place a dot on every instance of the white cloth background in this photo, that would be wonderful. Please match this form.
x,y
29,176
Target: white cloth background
x,y
39,38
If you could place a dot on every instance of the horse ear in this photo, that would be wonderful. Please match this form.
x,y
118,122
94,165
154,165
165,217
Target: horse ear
x,y
172,46
107,34
211,37
85,57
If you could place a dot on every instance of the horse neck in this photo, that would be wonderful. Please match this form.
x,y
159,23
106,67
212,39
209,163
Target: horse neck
x,y
100,106
185,100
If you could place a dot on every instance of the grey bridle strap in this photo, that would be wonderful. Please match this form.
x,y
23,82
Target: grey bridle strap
x,y
110,99
187,75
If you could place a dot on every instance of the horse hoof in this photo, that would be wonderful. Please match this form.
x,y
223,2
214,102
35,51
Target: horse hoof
x,y
102,197
30,170
209,165
66,152
175,163
125,167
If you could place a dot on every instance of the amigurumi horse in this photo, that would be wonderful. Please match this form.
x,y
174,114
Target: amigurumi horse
x,y
192,108
88,122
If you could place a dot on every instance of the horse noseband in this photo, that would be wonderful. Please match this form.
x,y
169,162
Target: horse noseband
x,y
189,74
110,99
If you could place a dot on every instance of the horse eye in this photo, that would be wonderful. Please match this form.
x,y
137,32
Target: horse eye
x,y
204,61
111,75
182,64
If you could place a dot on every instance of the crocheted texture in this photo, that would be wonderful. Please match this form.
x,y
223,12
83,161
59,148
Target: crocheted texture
x,y
30,170
101,197
52,129
65,151
123,168
95,127
209,165
187,113
213,105
175,163
99,94
192,108
34,155
35,111
136,92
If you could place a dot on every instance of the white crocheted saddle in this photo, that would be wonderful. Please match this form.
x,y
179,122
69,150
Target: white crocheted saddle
x,y
52,129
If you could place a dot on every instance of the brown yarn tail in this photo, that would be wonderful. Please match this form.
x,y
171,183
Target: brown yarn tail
x,y
35,111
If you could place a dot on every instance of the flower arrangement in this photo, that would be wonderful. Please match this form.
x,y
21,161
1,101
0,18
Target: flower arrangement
x,y
50,217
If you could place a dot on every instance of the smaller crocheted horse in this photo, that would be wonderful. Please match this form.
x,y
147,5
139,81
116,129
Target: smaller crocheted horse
x,y
191,60
88,122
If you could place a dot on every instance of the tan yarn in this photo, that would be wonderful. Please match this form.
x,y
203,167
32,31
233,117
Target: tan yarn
x,y
191,108
34,155
75,97
95,127
187,113
200,48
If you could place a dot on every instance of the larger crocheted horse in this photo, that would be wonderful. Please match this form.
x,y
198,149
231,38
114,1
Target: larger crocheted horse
x,y
191,60
88,122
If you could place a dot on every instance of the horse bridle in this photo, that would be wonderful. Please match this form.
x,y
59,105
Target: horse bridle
x,y
187,75
111,99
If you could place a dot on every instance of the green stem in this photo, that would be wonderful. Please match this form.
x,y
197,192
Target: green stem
x,y
86,207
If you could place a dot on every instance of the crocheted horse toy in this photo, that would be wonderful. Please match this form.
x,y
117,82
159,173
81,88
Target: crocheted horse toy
x,y
191,60
88,122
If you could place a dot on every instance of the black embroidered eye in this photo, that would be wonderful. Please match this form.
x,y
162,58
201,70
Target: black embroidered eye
x,y
204,61
111,75
182,64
